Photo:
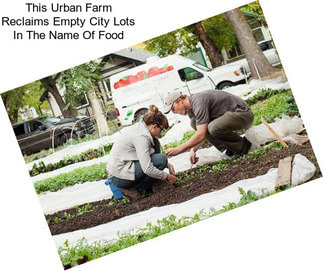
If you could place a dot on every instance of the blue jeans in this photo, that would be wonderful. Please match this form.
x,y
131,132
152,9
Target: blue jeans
x,y
143,182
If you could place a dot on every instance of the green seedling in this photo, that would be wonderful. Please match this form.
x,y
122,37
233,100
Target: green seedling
x,y
68,216
84,209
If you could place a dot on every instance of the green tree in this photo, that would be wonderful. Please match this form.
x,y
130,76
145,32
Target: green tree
x,y
208,45
23,97
182,40
253,7
82,80
214,34
31,97
257,61
49,84
13,102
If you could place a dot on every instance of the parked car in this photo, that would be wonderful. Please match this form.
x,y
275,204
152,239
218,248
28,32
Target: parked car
x,y
46,132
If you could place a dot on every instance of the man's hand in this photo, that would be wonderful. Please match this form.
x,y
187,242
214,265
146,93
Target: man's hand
x,y
194,141
171,178
193,158
173,151
171,169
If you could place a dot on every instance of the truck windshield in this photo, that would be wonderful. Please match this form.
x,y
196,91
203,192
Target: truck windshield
x,y
50,120
200,66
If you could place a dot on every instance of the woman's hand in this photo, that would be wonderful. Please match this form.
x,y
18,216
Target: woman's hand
x,y
173,151
171,169
171,178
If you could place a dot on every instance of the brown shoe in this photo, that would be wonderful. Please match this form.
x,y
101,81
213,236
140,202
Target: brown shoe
x,y
131,193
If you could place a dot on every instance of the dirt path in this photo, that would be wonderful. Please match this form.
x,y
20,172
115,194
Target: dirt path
x,y
202,182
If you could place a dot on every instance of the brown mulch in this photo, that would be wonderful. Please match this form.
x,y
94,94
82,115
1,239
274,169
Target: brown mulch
x,y
165,193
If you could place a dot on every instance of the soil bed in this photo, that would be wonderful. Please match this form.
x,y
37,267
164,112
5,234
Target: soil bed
x,y
101,212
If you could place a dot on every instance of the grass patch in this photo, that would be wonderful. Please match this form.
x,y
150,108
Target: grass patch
x,y
80,175
274,107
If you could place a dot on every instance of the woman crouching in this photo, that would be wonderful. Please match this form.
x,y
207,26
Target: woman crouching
x,y
135,161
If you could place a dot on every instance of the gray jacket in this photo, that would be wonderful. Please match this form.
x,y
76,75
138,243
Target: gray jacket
x,y
135,143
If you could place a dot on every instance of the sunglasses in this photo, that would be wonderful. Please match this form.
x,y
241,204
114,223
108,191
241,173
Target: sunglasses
x,y
161,129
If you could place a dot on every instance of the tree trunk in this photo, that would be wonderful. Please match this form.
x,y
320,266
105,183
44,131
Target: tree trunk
x,y
212,52
254,55
50,85
98,113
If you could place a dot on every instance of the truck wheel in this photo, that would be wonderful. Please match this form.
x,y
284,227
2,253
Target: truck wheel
x,y
74,136
139,114
224,85
61,140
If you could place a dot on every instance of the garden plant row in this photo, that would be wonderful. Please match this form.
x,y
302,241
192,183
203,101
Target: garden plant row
x,y
191,183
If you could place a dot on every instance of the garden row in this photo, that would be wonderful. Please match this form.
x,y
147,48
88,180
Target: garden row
x,y
69,160
190,184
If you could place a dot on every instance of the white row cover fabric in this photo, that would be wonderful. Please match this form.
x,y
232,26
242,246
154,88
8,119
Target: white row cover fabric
x,y
283,127
303,170
78,194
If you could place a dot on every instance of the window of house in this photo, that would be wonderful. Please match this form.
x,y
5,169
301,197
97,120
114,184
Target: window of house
x,y
83,101
234,52
256,29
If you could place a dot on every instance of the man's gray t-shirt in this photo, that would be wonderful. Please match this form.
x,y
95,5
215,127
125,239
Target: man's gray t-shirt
x,y
211,104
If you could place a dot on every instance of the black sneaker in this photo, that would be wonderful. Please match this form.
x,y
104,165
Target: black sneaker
x,y
229,153
246,146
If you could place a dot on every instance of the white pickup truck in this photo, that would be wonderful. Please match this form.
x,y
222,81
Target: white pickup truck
x,y
269,52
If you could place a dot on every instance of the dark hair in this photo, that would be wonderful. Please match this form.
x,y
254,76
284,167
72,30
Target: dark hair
x,y
154,116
